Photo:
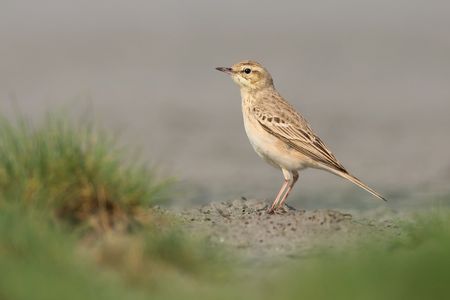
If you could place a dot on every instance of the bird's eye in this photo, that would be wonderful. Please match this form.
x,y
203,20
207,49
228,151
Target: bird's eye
x,y
247,71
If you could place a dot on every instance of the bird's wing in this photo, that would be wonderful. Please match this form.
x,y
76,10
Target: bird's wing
x,y
293,129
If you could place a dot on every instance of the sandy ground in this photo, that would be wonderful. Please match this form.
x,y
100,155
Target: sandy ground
x,y
244,226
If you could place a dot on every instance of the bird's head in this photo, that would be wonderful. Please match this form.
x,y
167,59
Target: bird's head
x,y
249,75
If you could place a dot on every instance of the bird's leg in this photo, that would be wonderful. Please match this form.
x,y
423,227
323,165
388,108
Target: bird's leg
x,y
287,179
291,185
280,193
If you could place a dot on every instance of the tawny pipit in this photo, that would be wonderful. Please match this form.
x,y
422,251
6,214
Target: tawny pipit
x,y
279,134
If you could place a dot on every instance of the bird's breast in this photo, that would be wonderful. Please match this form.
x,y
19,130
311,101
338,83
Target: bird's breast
x,y
270,148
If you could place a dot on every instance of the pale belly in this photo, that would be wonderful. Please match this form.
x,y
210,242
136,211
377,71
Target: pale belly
x,y
273,150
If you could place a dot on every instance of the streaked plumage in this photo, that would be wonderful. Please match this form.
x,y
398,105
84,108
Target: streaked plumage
x,y
278,133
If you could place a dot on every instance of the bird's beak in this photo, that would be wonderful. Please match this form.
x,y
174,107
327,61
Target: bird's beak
x,y
225,70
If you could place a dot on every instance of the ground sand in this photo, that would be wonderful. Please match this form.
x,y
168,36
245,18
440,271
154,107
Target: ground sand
x,y
244,226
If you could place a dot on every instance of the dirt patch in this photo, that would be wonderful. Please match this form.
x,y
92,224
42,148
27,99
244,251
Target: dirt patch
x,y
244,225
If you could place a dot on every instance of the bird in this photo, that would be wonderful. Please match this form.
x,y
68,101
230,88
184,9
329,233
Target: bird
x,y
279,134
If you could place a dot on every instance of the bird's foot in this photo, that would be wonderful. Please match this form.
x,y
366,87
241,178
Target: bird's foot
x,y
280,210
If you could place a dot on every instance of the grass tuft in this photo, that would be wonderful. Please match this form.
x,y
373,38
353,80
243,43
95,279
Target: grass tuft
x,y
74,170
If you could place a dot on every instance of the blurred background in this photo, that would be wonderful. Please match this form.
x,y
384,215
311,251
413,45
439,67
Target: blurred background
x,y
372,77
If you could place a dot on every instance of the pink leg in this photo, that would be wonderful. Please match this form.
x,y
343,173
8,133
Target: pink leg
x,y
283,188
291,185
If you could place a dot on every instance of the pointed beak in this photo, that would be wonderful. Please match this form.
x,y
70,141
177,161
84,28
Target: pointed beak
x,y
225,70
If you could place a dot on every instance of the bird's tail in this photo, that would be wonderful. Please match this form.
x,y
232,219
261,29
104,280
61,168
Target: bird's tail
x,y
356,181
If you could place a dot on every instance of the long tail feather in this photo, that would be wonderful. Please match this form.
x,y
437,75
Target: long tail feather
x,y
357,182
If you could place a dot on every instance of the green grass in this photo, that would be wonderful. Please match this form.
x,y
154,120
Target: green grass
x,y
74,170
76,223
39,261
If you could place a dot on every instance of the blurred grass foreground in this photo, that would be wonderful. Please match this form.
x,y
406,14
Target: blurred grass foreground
x,y
73,208
76,223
